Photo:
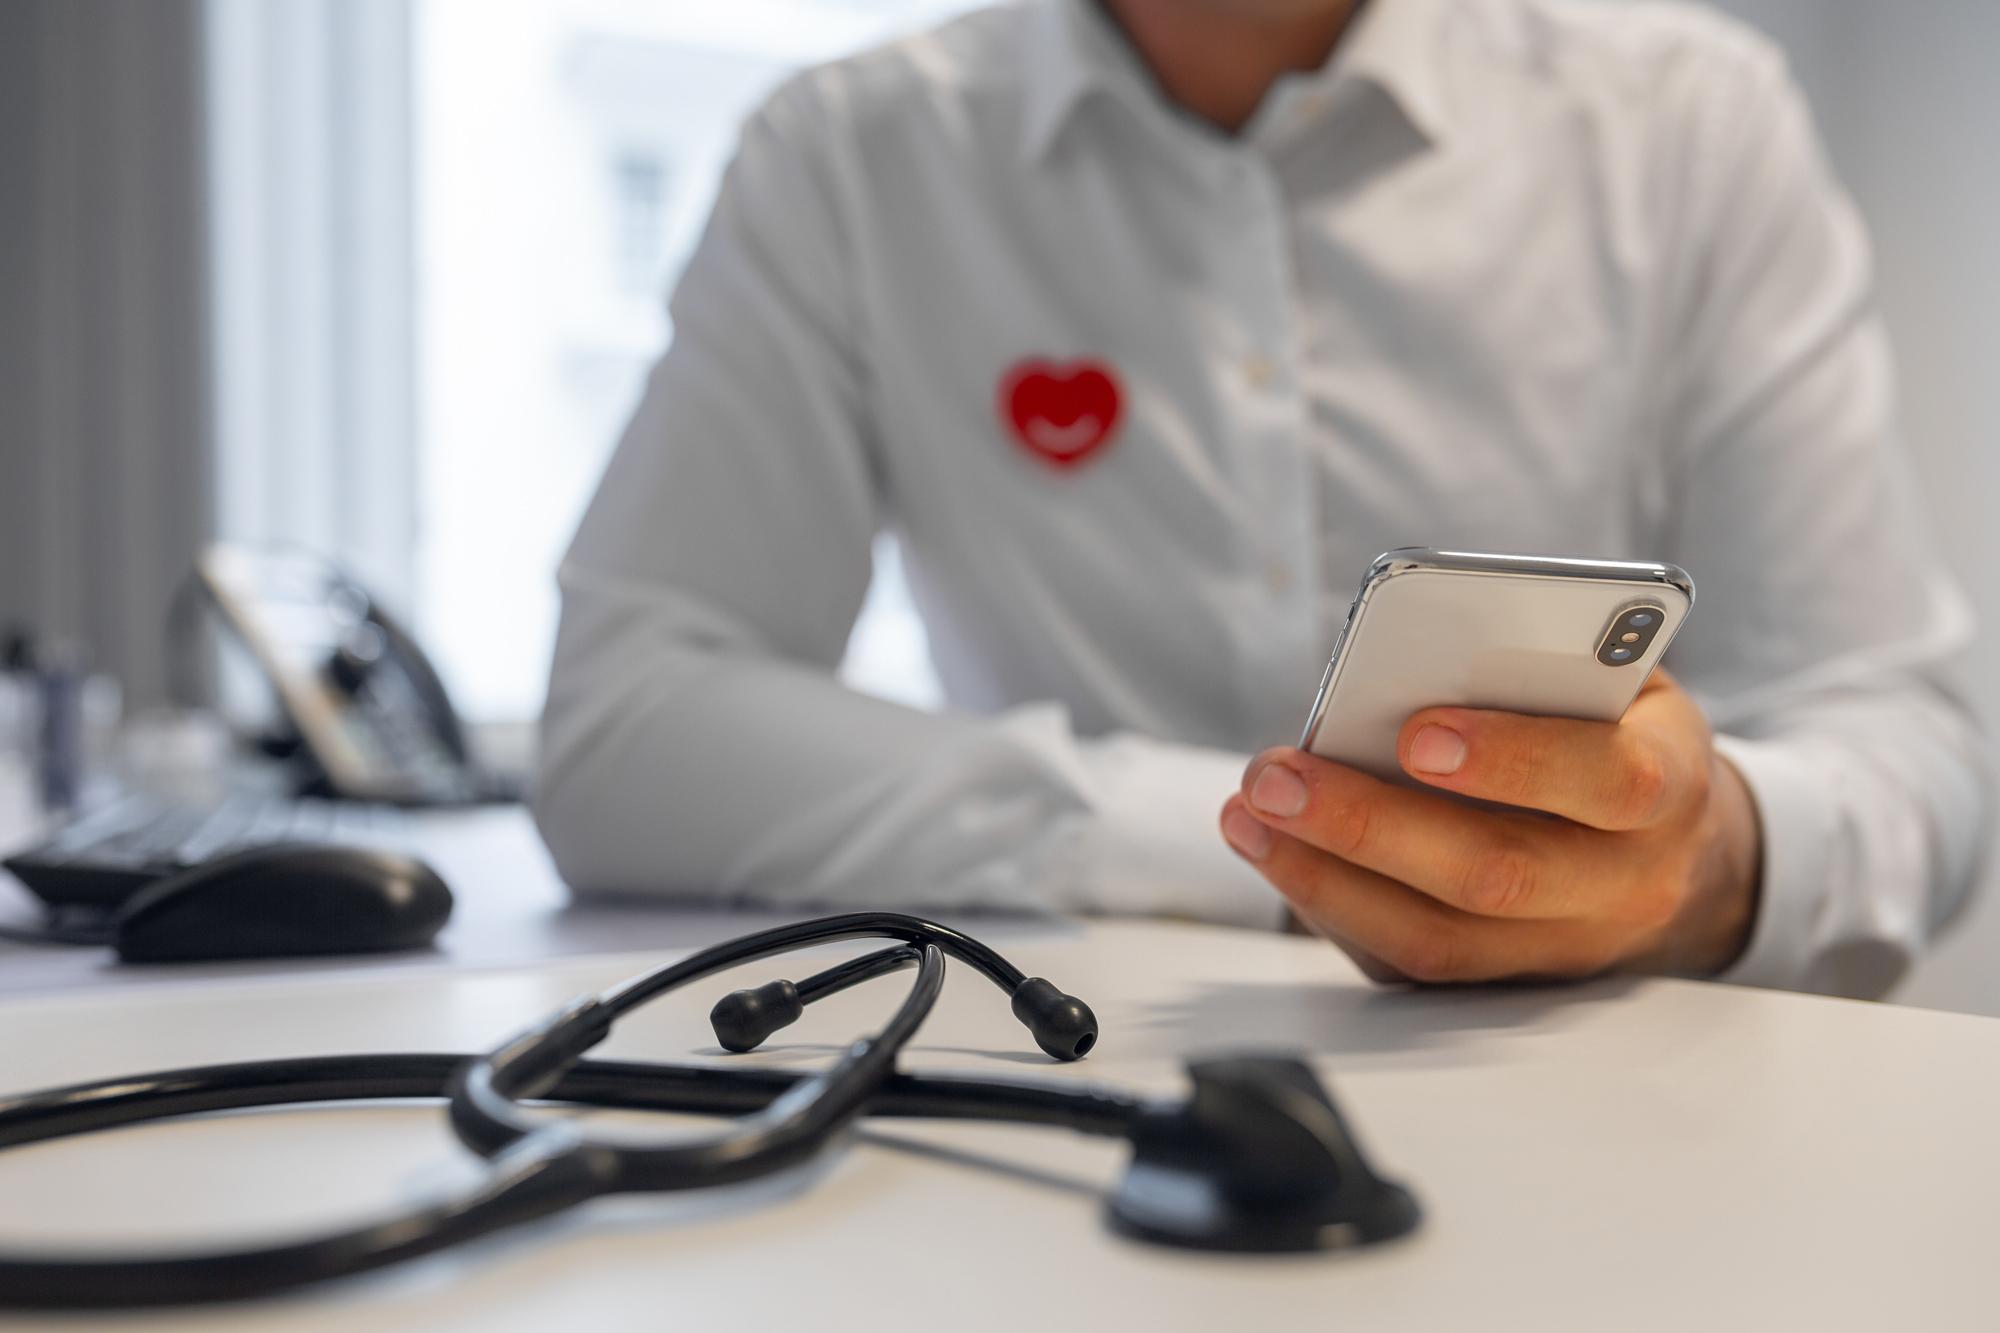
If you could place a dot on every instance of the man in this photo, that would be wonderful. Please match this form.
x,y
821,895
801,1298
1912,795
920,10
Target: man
x,y
1145,326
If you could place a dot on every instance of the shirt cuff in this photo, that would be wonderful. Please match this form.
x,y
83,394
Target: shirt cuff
x,y
1799,832
1148,842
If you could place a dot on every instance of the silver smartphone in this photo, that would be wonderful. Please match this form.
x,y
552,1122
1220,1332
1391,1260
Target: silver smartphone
x,y
1528,634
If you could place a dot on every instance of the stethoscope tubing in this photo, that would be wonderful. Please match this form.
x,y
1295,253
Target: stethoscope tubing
x,y
609,1085
543,1176
541,1167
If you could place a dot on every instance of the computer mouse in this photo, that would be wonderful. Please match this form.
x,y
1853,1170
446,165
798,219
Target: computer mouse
x,y
283,900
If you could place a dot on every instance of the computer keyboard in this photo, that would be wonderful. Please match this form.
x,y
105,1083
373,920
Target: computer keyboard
x,y
105,855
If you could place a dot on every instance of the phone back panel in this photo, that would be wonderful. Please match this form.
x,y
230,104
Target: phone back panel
x,y
1483,631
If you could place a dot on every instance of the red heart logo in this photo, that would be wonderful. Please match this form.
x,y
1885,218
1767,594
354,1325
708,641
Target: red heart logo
x,y
1062,414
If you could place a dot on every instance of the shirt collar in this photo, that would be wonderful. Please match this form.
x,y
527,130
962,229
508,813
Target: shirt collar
x,y
1394,45
1072,50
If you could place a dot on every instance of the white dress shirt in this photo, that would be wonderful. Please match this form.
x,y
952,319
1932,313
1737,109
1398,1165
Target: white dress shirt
x,y
1142,400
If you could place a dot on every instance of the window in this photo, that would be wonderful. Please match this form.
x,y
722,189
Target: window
x,y
567,152
639,188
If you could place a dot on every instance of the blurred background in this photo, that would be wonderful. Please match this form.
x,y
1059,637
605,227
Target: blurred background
x,y
380,278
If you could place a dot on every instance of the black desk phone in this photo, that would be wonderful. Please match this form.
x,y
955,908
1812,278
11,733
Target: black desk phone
x,y
372,718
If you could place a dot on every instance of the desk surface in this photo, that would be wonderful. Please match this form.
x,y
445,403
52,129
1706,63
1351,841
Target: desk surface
x,y
1629,1155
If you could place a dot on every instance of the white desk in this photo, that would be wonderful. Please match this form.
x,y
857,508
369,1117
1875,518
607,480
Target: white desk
x,y
1627,1155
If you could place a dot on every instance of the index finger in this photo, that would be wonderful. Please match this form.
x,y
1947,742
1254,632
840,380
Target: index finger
x,y
1608,775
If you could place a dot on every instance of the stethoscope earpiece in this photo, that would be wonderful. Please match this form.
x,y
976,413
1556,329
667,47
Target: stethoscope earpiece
x,y
742,1019
1062,1025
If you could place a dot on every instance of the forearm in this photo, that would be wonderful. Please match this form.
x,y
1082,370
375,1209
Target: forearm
x,y
683,759
1874,804
1829,623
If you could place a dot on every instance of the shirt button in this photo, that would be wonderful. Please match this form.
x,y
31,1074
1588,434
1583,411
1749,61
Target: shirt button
x,y
1259,371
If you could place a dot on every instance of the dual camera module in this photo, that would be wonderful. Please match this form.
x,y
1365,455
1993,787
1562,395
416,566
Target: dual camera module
x,y
1631,633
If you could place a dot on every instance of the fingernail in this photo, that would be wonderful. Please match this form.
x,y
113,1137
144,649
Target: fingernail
x,y
1437,750
1251,840
1278,791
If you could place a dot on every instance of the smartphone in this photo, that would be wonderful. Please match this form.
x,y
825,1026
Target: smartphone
x,y
1527,634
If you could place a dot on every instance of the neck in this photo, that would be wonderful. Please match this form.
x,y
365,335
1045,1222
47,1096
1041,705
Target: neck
x,y
1218,58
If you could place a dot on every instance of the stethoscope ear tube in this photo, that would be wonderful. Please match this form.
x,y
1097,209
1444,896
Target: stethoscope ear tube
x,y
486,1092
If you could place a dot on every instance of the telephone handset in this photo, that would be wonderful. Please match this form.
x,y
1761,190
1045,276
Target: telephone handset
x,y
372,716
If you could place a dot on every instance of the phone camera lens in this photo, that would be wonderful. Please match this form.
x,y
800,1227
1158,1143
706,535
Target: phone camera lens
x,y
1642,619
1620,654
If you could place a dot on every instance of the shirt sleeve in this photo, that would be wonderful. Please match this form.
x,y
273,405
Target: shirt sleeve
x,y
1827,635
695,742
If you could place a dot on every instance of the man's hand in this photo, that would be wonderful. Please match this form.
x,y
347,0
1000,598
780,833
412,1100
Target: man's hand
x,y
1650,864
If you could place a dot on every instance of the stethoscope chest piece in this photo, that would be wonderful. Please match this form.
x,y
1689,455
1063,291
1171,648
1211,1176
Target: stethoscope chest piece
x,y
1257,1159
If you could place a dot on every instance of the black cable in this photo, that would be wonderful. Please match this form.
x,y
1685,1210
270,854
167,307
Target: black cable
x,y
53,934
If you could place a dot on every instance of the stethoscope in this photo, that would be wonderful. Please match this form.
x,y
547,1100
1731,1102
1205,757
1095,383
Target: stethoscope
x,y
1255,1158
